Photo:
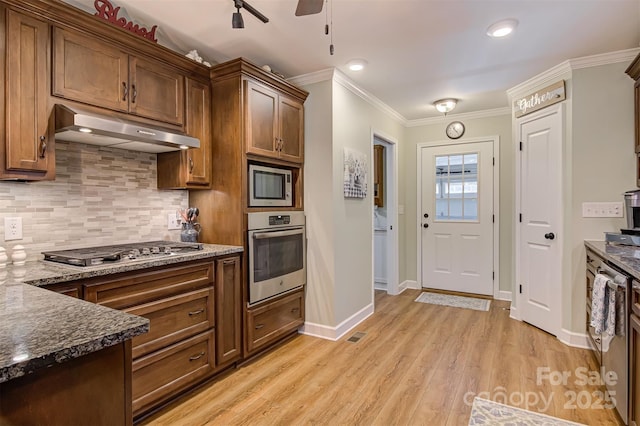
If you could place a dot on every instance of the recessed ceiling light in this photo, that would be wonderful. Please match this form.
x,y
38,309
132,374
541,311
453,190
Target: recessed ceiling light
x,y
502,28
356,64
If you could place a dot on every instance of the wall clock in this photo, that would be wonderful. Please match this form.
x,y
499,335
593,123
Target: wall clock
x,y
455,129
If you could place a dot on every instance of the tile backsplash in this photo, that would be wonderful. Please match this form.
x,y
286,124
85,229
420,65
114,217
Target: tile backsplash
x,y
100,196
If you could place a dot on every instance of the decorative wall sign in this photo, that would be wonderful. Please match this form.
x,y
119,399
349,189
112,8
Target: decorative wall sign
x,y
542,98
106,11
355,174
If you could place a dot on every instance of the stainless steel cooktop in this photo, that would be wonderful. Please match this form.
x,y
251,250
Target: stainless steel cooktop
x,y
92,256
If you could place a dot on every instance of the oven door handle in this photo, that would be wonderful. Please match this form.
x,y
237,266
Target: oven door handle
x,y
263,235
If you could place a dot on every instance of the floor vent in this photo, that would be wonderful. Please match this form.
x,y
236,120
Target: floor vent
x,y
357,336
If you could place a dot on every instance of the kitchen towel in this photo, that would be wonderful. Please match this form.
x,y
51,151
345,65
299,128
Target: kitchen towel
x,y
607,307
599,303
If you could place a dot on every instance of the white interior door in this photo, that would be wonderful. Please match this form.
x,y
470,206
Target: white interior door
x,y
457,217
539,258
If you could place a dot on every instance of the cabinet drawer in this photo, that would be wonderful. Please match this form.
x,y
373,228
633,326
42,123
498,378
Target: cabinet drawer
x,y
166,372
267,323
635,298
174,319
131,289
592,259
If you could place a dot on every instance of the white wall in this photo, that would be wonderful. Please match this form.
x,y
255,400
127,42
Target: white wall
x,y
318,203
340,230
435,133
603,167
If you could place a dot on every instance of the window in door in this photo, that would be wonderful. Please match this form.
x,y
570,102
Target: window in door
x,y
456,178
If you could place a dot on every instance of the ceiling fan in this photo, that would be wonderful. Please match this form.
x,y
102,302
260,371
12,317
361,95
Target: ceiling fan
x,y
309,7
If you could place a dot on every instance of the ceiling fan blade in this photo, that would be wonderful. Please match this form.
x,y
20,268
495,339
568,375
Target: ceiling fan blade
x,y
309,7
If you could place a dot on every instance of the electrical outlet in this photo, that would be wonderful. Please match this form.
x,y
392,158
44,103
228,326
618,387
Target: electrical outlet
x,y
173,221
613,209
12,228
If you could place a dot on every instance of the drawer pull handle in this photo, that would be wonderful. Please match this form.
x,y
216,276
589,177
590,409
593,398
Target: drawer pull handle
x,y
193,358
259,326
43,146
199,311
295,309
229,261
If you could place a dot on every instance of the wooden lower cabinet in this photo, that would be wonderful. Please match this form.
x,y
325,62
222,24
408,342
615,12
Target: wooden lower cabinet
x,y
173,319
93,389
634,371
273,320
195,331
162,374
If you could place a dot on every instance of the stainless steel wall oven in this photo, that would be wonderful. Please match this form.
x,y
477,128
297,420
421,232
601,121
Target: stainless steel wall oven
x,y
277,253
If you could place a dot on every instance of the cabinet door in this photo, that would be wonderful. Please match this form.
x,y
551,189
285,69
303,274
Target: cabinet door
x,y
228,310
291,123
261,119
28,146
198,160
156,91
634,373
89,71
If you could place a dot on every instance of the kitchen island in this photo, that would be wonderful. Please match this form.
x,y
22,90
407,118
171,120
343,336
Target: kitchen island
x,y
64,360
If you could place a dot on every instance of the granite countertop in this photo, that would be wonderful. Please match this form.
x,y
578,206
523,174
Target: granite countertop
x,y
39,327
624,257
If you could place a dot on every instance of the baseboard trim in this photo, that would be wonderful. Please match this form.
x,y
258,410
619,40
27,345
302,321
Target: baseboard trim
x,y
576,340
335,333
410,284
503,295
380,286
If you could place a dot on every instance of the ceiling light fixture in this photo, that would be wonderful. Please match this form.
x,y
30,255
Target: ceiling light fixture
x,y
356,64
445,105
236,19
502,28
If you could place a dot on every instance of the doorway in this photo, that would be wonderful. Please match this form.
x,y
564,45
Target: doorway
x,y
385,216
457,216
539,234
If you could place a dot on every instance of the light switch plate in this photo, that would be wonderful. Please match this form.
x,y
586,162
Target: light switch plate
x,y
173,221
612,209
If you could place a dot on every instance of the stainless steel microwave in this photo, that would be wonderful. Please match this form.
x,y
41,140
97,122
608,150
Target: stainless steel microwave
x,y
269,186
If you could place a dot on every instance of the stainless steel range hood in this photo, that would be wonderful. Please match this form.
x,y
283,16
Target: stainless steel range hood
x,y
74,125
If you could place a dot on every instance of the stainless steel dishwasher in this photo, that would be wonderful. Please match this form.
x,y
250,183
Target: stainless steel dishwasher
x,y
613,351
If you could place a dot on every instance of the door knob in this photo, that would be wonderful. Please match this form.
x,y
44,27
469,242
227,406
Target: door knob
x,y
426,215
426,225
550,236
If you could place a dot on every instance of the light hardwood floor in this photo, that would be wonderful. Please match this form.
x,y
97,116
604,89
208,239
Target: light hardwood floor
x,y
418,364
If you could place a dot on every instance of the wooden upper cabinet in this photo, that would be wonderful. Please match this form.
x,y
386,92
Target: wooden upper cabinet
x,y
291,123
191,168
634,72
156,91
274,123
93,72
28,146
88,71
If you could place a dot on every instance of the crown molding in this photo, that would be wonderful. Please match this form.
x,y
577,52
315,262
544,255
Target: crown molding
x,y
564,70
604,58
462,116
340,78
312,77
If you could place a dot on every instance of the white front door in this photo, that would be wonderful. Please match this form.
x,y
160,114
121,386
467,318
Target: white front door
x,y
457,217
539,256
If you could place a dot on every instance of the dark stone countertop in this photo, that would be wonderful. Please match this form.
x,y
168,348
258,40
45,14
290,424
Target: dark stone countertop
x,y
39,327
624,257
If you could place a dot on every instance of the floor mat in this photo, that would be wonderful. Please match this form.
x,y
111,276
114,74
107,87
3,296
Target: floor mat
x,y
485,412
454,301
